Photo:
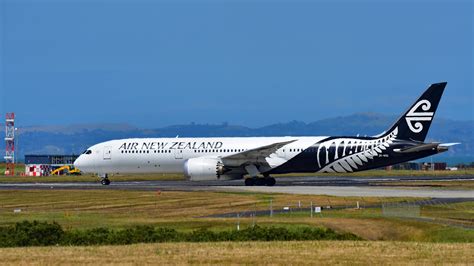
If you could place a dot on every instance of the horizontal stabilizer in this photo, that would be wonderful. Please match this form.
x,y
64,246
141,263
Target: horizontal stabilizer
x,y
418,148
441,147
449,144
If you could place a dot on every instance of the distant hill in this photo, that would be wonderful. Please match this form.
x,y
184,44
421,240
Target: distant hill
x,y
75,138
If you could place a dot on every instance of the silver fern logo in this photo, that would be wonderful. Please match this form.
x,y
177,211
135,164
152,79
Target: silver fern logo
x,y
350,154
415,118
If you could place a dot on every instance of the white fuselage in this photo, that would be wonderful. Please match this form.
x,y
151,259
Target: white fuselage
x,y
168,155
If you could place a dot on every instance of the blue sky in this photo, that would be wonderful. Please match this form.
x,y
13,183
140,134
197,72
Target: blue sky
x,y
157,63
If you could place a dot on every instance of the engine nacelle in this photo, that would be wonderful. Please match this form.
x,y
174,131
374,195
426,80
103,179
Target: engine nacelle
x,y
205,169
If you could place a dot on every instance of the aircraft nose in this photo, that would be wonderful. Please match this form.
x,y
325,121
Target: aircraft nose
x,y
79,163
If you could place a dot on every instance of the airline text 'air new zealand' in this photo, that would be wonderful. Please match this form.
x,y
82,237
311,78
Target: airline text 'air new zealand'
x,y
260,157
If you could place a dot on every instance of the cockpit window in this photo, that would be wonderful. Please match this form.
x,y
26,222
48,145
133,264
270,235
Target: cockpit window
x,y
87,152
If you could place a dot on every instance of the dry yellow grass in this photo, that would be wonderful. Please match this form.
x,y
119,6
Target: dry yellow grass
x,y
256,253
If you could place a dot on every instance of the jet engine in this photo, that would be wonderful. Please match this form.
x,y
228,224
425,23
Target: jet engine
x,y
204,169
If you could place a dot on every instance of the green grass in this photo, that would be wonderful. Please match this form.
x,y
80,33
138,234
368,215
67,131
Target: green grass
x,y
462,212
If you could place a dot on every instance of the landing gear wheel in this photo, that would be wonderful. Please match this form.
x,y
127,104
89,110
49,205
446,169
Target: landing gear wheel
x,y
270,181
105,181
260,181
249,182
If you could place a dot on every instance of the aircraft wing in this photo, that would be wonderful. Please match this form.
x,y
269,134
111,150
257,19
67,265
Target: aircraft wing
x,y
254,156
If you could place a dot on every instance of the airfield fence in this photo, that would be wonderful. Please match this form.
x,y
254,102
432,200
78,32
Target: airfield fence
x,y
429,210
403,209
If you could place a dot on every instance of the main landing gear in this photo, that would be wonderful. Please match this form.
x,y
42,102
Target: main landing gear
x,y
260,181
104,179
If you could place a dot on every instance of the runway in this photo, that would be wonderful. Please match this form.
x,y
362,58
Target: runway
x,y
361,191
334,186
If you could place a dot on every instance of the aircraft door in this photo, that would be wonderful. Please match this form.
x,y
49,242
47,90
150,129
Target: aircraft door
x,y
178,154
281,153
107,153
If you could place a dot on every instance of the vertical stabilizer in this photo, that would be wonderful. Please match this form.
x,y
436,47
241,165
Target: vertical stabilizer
x,y
415,123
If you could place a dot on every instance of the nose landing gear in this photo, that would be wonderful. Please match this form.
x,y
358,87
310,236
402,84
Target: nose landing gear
x,y
104,179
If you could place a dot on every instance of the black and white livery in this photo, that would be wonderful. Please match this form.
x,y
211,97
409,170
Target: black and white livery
x,y
260,157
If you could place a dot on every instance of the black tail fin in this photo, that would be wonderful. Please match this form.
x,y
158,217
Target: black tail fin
x,y
415,123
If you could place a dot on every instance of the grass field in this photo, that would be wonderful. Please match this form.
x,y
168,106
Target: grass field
x,y
255,253
442,235
187,211
405,241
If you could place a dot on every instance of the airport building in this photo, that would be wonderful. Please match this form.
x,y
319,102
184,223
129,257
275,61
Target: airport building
x,y
418,166
433,166
44,165
407,166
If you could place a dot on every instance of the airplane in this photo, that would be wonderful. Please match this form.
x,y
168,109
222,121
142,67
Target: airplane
x,y
229,158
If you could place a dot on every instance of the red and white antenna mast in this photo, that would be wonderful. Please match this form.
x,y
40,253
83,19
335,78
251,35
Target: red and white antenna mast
x,y
10,143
